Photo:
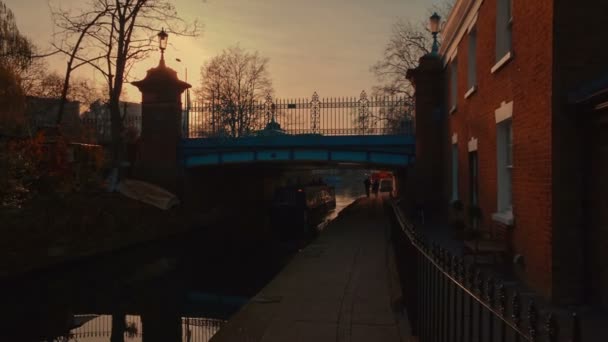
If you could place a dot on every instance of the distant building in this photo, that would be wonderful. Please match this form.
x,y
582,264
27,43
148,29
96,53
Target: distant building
x,y
98,120
525,140
43,112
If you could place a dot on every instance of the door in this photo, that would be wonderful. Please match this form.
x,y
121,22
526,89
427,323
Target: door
x,y
596,213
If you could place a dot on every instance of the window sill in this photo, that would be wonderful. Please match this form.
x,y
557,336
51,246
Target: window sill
x,y
502,62
505,217
453,109
470,92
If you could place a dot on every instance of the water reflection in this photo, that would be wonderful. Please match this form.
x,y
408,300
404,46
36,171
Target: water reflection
x,y
179,289
342,201
349,187
98,328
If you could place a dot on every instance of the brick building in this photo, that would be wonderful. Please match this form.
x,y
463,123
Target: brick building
x,y
97,117
42,112
525,135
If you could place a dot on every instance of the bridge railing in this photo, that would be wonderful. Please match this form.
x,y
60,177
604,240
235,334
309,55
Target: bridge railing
x,y
325,116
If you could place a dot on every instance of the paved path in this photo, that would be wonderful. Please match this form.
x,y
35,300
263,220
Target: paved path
x,y
340,288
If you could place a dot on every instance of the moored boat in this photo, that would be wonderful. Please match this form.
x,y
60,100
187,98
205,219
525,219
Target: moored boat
x,y
297,210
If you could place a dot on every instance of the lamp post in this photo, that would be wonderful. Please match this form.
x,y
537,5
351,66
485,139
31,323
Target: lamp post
x,y
185,68
163,37
186,112
434,22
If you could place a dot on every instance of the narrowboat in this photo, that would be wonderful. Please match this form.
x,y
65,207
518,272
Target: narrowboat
x,y
296,211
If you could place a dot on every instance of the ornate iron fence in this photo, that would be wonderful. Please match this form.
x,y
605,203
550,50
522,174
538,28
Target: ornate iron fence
x,y
325,116
449,300
100,130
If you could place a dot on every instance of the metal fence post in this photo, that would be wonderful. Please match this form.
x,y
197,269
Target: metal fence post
x,y
532,321
502,306
479,290
516,313
463,280
490,299
576,328
472,287
551,327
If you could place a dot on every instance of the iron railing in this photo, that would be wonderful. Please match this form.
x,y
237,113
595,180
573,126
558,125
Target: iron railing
x,y
100,130
100,326
386,115
449,300
324,116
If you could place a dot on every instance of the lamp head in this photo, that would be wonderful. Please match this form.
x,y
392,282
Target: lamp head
x,y
434,22
163,37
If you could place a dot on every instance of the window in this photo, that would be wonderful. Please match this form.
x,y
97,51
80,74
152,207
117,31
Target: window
x,y
472,54
454,172
474,178
453,84
504,154
503,29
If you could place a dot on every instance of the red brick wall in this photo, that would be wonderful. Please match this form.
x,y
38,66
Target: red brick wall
x,y
526,80
532,129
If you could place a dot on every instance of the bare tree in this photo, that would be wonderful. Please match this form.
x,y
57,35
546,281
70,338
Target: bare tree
x,y
40,83
12,102
15,49
408,42
234,83
111,36
15,56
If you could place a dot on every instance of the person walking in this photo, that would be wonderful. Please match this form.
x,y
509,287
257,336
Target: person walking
x,y
376,187
367,183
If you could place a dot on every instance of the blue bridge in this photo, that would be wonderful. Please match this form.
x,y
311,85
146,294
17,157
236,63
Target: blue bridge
x,y
375,132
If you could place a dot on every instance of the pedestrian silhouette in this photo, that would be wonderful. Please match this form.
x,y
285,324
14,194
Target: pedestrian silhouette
x,y
376,187
367,183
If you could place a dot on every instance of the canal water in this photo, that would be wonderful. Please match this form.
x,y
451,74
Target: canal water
x,y
182,288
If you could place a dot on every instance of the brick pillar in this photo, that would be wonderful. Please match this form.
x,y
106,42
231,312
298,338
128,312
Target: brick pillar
x,y
428,177
158,159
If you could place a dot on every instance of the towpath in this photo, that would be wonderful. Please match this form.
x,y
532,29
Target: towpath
x,y
341,287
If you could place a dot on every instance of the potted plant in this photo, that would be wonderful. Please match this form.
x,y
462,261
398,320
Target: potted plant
x,y
457,205
457,217
475,214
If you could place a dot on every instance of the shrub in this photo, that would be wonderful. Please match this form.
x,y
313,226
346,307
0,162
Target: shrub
x,y
457,205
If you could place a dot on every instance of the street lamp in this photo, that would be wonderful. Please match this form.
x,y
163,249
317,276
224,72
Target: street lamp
x,y
434,22
187,94
163,37
186,118
186,68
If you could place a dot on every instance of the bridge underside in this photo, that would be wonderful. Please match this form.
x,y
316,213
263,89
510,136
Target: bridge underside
x,y
385,150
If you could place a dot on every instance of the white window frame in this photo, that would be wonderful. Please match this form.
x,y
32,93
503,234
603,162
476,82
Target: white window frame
x,y
453,84
503,41
504,163
472,62
505,158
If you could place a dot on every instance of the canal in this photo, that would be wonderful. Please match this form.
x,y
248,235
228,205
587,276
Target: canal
x,y
187,285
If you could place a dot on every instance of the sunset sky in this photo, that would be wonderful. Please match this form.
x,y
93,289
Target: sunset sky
x,y
326,46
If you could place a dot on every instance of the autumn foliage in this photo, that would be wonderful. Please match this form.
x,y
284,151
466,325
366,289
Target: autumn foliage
x,y
46,164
